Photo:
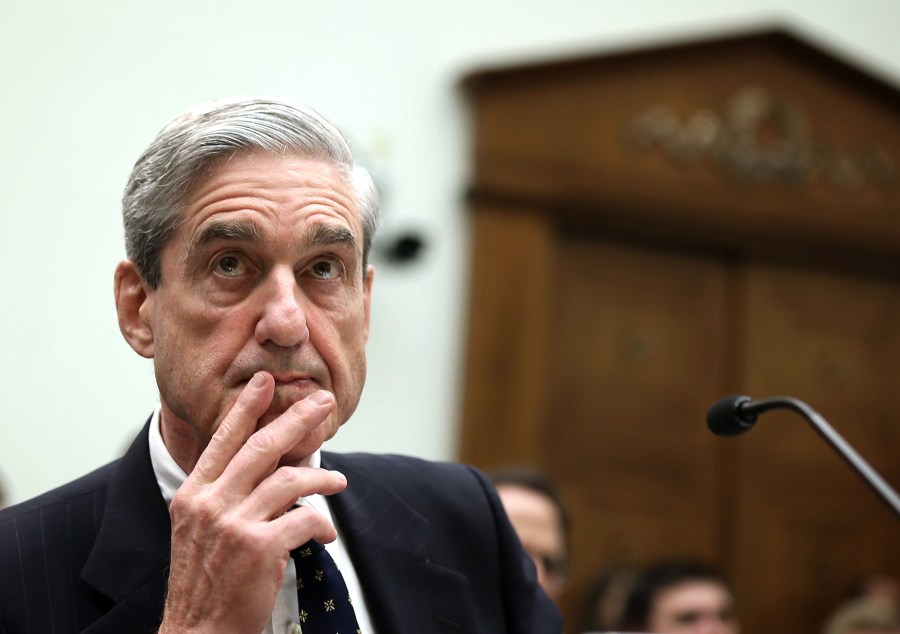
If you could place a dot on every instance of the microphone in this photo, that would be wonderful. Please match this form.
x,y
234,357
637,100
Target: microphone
x,y
734,415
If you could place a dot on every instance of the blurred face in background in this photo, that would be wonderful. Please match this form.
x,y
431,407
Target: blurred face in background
x,y
694,607
539,526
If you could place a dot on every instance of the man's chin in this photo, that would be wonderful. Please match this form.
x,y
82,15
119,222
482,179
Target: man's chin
x,y
281,402
268,417
306,444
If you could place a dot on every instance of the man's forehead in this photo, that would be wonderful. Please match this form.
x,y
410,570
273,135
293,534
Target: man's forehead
x,y
278,172
233,199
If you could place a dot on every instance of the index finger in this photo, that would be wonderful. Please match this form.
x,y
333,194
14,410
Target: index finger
x,y
234,430
260,455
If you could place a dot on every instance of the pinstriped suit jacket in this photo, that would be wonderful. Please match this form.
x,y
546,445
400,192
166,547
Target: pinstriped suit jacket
x,y
432,547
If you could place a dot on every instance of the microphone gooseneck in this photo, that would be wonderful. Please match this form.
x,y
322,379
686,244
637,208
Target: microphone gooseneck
x,y
735,415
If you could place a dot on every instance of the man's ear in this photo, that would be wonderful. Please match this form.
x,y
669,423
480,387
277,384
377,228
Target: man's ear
x,y
133,301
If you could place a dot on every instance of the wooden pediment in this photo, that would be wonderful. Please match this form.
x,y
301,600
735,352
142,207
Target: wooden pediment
x,y
759,142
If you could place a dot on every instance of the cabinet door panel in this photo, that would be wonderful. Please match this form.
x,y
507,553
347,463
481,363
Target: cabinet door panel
x,y
637,358
807,519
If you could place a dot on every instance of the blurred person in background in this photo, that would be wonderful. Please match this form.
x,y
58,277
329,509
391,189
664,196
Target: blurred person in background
x,y
873,607
880,588
863,616
540,519
681,597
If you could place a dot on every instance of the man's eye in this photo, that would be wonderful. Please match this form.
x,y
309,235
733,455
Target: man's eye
x,y
325,269
231,266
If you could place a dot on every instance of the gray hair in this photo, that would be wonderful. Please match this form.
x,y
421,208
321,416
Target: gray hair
x,y
194,143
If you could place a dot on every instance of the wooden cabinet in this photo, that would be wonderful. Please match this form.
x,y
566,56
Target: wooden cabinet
x,y
656,229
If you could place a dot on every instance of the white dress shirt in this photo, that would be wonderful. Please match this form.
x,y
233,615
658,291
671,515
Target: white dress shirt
x,y
284,619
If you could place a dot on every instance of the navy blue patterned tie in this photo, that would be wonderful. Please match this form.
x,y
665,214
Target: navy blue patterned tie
x,y
325,606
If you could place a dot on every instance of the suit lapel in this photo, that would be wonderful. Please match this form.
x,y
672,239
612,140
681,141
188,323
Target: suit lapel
x,y
389,543
387,539
129,561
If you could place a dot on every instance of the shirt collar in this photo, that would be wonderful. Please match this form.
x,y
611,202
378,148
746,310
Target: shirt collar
x,y
169,476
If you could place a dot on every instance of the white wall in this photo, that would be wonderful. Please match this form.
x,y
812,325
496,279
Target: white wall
x,y
85,86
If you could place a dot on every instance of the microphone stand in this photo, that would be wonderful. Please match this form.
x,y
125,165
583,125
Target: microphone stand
x,y
748,410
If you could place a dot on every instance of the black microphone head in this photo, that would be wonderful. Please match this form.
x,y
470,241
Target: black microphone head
x,y
725,418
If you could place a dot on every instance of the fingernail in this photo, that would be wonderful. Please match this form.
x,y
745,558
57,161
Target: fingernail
x,y
258,380
320,397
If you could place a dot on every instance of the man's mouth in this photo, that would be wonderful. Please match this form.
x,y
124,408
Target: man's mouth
x,y
286,378
291,377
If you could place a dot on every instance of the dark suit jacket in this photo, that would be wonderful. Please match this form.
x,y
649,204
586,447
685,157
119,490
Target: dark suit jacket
x,y
432,547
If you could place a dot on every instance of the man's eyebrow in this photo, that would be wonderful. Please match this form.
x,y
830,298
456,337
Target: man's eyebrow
x,y
244,231
324,235
235,231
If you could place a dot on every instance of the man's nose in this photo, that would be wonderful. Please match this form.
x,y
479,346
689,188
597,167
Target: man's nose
x,y
283,318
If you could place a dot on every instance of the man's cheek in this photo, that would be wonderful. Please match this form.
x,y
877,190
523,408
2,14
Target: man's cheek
x,y
225,406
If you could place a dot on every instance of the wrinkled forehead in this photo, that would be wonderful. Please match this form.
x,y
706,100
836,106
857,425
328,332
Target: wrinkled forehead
x,y
244,173
281,178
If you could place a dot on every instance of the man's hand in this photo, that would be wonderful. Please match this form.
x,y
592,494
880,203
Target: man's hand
x,y
231,536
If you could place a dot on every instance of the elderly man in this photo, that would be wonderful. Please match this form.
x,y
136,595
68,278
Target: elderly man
x,y
248,229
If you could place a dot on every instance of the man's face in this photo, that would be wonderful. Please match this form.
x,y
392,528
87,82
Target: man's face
x,y
694,607
539,527
264,273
